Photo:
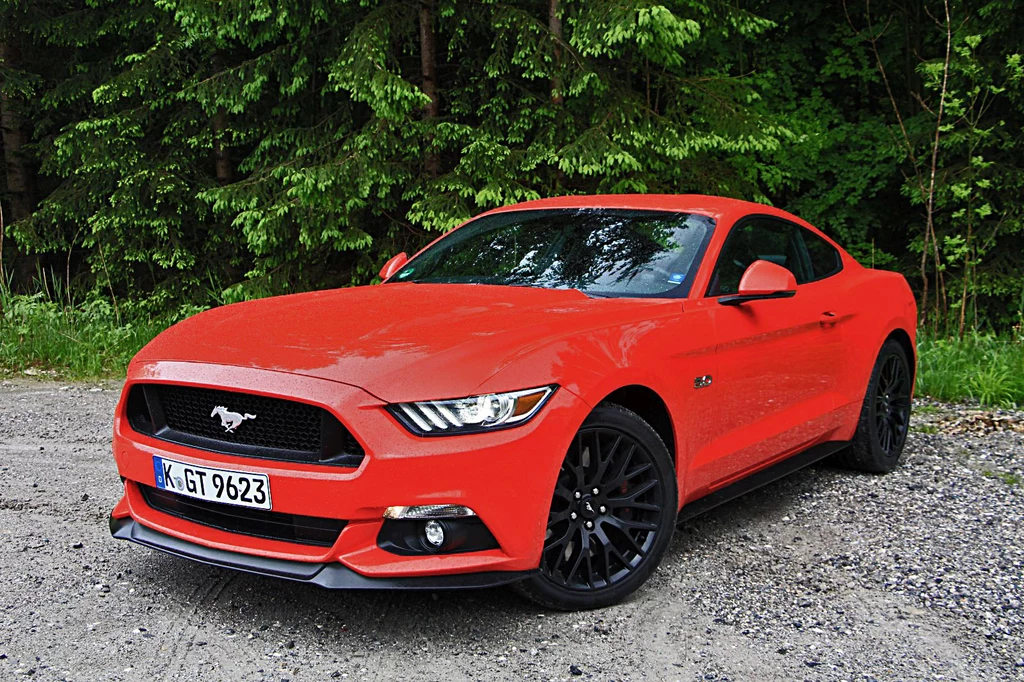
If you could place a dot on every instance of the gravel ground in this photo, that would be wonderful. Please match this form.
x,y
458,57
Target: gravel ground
x,y
827,575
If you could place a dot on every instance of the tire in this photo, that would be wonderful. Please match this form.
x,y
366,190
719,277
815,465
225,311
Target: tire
x,y
885,415
600,547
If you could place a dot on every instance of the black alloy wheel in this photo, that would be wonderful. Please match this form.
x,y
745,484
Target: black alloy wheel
x,y
612,513
885,415
892,404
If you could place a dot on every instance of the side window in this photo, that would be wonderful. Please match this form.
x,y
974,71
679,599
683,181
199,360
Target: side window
x,y
824,258
754,239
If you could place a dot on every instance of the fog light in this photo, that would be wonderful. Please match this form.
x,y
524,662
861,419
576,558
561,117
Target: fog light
x,y
425,537
434,533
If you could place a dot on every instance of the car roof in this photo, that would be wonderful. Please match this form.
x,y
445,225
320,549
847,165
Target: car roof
x,y
713,206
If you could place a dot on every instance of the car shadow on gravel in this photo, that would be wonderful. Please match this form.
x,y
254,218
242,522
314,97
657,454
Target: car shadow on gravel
x,y
263,608
768,504
245,601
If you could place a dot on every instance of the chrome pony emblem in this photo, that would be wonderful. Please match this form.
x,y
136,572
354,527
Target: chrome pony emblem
x,y
230,420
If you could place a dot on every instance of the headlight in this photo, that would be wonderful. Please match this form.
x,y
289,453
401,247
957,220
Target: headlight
x,y
471,415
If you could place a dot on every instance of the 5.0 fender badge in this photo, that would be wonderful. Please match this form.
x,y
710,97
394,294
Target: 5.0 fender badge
x,y
230,420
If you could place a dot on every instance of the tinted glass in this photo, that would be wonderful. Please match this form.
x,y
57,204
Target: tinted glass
x,y
759,239
825,259
600,252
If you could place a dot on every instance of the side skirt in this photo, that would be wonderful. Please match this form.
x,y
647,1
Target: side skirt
x,y
761,478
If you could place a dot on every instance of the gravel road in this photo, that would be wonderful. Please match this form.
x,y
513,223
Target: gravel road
x,y
827,575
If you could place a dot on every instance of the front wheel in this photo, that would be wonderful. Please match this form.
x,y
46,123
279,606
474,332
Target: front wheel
x,y
612,514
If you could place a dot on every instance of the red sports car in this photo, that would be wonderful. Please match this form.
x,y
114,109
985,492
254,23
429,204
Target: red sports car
x,y
536,398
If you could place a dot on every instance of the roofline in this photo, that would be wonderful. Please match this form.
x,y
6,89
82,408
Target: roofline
x,y
712,206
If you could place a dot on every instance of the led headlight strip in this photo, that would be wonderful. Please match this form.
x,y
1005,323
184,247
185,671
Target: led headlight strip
x,y
473,414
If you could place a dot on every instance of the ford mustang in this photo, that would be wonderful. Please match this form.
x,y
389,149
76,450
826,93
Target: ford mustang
x,y
537,398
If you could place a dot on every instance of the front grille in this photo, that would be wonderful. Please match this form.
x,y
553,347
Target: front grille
x,y
279,424
271,428
305,530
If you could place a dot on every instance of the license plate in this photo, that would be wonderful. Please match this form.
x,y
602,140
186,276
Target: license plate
x,y
214,485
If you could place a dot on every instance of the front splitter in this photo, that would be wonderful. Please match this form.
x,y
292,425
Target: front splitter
x,y
333,576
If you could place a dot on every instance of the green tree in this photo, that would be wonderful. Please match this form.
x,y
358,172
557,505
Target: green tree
x,y
193,151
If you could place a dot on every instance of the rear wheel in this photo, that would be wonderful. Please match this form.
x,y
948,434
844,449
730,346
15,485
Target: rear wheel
x,y
612,514
884,416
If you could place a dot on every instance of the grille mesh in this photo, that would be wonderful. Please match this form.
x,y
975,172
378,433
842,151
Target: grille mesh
x,y
306,530
279,424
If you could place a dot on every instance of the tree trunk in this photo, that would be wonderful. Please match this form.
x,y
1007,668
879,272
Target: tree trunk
x,y
225,170
20,173
555,26
222,162
21,180
428,67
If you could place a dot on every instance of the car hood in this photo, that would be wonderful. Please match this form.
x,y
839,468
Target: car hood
x,y
395,341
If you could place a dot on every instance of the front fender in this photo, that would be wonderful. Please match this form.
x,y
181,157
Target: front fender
x,y
663,354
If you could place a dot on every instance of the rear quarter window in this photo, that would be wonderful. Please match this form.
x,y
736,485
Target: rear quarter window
x,y
825,258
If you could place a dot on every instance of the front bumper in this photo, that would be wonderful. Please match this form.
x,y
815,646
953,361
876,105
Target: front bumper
x,y
506,477
332,576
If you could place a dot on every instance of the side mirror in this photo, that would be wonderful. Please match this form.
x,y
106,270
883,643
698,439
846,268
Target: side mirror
x,y
763,280
393,265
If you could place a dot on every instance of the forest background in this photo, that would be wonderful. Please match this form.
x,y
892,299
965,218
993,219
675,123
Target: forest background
x,y
165,156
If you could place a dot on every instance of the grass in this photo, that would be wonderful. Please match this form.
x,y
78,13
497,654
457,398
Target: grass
x,y
44,334
47,333
985,367
1005,477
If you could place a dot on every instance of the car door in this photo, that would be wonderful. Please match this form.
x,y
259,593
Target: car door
x,y
776,359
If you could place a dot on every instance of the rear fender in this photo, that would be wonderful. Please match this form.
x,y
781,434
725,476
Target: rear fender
x,y
879,303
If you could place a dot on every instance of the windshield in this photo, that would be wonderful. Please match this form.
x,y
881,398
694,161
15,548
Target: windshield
x,y
601,252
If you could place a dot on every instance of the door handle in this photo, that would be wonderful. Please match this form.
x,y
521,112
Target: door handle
x,y
828,318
